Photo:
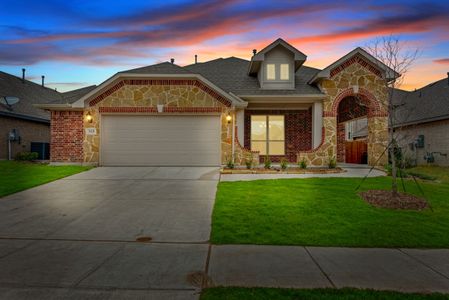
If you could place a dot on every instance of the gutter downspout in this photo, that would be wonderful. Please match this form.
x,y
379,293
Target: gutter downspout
x,y
233,135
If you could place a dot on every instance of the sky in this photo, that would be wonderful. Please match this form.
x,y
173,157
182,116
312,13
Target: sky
x,y
78,43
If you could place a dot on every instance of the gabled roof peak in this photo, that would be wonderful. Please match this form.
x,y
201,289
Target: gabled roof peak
x,y
326,72
257,58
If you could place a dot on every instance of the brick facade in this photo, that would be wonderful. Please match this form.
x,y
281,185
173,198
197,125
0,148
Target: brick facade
x,y
298,131
29,132
67,135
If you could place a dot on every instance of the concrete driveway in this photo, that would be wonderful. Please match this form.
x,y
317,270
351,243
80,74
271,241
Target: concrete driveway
x,y
78,234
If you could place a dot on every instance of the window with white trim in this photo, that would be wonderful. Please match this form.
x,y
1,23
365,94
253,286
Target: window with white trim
x,y
268,134
285,74
271,72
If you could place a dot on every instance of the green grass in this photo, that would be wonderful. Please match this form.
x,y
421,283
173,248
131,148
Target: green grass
x,y
433,172
18,176
326,212
313,294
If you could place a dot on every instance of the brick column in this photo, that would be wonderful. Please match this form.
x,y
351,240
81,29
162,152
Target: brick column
x,y
66,136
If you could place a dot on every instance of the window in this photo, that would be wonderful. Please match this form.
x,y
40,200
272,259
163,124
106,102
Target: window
x,y
267,134
285,74
356,128
271,72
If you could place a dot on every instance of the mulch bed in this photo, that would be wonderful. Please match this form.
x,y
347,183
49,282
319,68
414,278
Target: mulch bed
x,y
279,171
385,199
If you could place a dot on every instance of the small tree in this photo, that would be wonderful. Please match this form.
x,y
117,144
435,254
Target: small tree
x,y
391,53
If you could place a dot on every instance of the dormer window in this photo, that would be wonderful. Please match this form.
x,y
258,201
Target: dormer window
x,y
285,73
278,72
271,72
275,66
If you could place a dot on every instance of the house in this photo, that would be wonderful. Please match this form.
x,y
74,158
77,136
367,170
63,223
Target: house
x,y
23,127
209,113
422,123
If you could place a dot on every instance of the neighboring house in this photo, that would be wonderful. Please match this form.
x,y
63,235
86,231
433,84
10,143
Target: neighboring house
x,y
422,123
226,109
27,126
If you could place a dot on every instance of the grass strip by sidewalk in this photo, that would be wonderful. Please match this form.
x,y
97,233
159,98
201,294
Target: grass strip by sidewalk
x,y
18,176
232,293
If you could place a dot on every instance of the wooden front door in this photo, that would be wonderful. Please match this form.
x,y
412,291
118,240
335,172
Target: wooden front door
x,y
356,152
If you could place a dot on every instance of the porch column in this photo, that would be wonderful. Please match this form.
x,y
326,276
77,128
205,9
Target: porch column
x,y
317,124
240,122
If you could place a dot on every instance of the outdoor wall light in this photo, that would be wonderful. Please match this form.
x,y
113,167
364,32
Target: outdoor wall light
x,y
89,117
229,118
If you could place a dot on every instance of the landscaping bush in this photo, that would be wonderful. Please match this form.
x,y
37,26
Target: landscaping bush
x,y
249,163
284,164
230,164
332,163
303,164
27,156
267,162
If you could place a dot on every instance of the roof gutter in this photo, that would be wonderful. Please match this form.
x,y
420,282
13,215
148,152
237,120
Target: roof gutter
x,y
422,121
25,117
50,106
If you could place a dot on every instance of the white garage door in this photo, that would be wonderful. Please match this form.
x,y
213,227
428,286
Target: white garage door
x,y
160,140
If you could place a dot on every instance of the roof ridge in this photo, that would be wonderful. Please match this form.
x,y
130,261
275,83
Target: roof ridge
x,y
29,81
430,84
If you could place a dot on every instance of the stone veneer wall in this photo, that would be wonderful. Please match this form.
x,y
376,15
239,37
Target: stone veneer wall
x,y
141,97
66,136
371,87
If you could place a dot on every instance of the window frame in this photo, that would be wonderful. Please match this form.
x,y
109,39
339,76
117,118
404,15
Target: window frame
x,y
267,135
288,71
274,72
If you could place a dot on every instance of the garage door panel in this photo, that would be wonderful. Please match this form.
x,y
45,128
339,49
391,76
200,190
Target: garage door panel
x,y
160,140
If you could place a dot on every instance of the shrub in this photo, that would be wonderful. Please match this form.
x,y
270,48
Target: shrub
x,y
284,164
249,163
332,163
267,162
27,156
303,164
230,164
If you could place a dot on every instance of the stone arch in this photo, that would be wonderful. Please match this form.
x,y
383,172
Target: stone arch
x,y
374,109
374,106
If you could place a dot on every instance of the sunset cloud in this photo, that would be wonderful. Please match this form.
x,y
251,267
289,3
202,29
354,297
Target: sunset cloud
x,y
88,35
444,61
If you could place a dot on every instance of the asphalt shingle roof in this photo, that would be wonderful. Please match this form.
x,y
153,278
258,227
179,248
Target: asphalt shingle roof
x,y
162,68
29,93
230,74
74,95
430,103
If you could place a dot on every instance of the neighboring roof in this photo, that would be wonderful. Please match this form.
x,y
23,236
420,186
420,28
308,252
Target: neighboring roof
x,y
230,74
29,93
325,73
427,104
72,96
161,68
256,60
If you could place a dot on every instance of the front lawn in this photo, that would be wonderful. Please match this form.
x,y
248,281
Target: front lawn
x,y
326,212
432,172
17,176
313,294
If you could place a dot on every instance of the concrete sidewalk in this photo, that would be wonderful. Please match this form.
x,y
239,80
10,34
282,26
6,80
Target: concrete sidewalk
x,y
406,270
350,172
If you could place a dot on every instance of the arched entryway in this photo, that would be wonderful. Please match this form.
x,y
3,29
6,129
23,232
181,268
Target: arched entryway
x,y
361,125
352,131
